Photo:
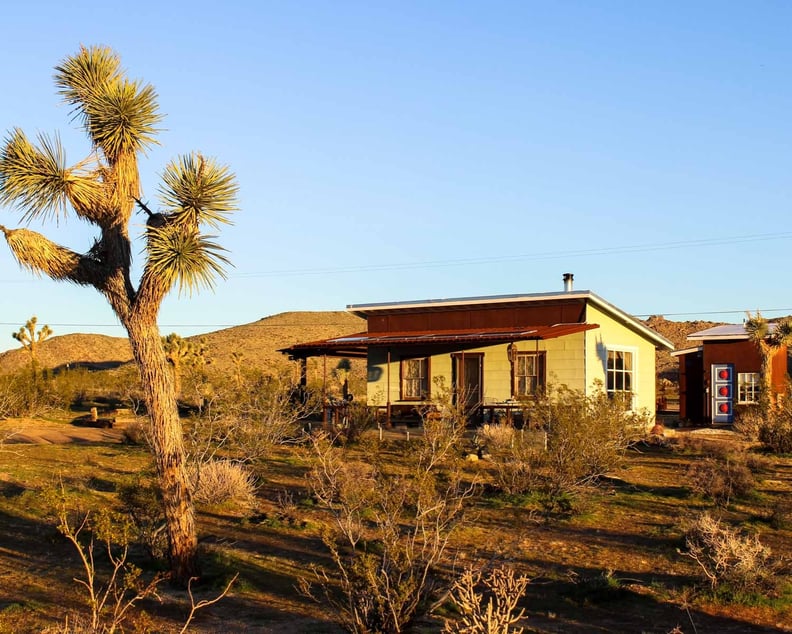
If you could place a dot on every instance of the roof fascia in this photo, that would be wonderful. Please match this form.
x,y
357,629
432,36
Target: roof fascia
x,y
684,351
631,321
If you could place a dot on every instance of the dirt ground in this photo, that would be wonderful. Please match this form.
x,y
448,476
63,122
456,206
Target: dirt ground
x,y
42,432
629,530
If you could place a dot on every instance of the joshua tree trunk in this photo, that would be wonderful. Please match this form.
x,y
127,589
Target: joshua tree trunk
x,y
168,445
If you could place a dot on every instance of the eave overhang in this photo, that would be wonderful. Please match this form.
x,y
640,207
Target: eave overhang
x,y
357,344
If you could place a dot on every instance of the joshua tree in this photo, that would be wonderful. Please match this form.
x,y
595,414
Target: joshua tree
x,y
29,337
769,340
120,116
183,352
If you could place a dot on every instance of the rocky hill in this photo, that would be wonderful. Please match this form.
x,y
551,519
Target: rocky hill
x,y
676,332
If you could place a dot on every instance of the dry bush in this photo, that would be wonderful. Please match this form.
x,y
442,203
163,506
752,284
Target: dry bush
x,y
136,432
223,481
109,600
775,430
729,559
388,534
492,610
495,436
587,436
781,513
517,468
444,421
748,420
721,479
141,501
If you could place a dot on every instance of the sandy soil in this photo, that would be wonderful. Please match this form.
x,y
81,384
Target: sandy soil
x,y
38,431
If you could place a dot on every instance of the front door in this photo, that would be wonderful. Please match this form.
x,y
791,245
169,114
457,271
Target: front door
x,y
468,375
722,392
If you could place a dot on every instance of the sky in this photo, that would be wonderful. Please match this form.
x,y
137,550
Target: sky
x,y
394,151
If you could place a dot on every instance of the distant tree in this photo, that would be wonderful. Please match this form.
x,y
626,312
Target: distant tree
x,y
769,341
183,353
120,117
30,338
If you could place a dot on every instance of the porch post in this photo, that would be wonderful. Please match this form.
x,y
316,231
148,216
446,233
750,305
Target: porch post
x,y
303,380
324,389
387,392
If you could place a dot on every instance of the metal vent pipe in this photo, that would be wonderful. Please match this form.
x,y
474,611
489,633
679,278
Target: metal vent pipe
x,y
568,279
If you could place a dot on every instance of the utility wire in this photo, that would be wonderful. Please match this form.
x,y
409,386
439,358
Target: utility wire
x,y
545,255
308,325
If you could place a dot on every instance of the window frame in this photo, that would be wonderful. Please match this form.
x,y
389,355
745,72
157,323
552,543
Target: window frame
x,y
540,374
425,391
755,388
632,372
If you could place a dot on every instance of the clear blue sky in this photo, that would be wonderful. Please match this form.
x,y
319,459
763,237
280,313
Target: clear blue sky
x,y
390,151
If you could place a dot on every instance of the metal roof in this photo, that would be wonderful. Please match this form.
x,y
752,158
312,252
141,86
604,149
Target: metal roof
x,y
363,310
724,332
357,344
684,351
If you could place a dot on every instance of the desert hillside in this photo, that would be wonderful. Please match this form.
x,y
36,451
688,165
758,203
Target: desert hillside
x,y
676,332
258,342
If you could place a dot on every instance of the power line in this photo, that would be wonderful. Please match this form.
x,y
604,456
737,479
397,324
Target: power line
x,y
310,325
546,255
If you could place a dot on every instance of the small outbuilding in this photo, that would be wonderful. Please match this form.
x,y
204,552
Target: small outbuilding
x,y
722,372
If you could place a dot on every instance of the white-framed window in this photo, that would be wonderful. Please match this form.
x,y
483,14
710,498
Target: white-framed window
x,y
415,379
748,386
620,372
529,374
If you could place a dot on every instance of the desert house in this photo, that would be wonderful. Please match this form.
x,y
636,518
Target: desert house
x,y
723,372
497,351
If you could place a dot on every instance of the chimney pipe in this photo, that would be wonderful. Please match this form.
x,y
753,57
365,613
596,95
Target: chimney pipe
x,y
568,278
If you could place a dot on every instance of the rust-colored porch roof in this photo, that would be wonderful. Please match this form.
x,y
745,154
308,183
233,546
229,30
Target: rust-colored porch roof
x,y
357,344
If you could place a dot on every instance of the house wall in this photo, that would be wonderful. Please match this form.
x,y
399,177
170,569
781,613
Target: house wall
x,y
564,365
612,334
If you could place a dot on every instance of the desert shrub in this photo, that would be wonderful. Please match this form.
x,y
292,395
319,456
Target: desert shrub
x,y
12,401
758,463
493,609
781,513
141,501
221,482
575,440
748,420
721,479
136,432
111,584
357,418
516,469
733,563
20,396
775,430
587,436
388,533
495,436
261,411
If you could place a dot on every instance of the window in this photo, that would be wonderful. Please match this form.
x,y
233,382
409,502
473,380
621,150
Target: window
x,y
529,374
620,373
414,379
748,387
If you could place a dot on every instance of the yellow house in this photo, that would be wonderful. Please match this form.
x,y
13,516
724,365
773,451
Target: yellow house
x,y
498,350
